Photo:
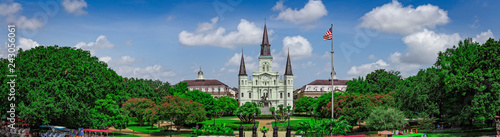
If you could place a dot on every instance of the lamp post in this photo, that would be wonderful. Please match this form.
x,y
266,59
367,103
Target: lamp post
x,y
241,125
275,129
288,128
171,128
254,128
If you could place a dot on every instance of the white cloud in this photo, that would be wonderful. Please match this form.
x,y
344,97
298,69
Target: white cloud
x,y
484,36
126,60
125,67
424,46
310,13
128,42
27,44
11,12
326,55
170,18
371,56
250,64
394,18
367,68
100,43
299,47
206,34
75,6
362,70
105,59
307,65
13,8
24,43
235,60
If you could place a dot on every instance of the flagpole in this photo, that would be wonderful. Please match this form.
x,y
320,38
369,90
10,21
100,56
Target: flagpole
x,y
333,71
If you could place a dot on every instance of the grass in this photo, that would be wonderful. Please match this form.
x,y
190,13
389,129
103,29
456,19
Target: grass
x,y
146,128
460,133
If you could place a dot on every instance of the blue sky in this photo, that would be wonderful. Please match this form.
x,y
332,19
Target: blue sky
x,y
171,40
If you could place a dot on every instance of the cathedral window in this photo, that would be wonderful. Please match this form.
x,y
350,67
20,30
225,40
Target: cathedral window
x,y
249,95
242,94
281,95
288,94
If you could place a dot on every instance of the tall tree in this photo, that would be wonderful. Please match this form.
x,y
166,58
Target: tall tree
x,y
304,104
136,107
471,81
209,103
421,93
227,104
60,85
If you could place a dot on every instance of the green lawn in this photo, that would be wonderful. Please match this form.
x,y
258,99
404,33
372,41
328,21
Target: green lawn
x,y
223,120
143,129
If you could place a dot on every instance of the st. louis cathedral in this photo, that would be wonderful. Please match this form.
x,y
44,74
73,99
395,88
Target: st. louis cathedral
x,y
265,85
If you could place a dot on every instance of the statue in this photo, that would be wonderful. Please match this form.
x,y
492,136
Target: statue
x,y
264,101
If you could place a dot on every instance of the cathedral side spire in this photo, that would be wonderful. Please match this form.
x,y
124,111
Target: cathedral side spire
x,y
242,65
288,69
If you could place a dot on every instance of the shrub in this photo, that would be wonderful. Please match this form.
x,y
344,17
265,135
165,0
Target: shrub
x,y
213,130
384,118
322,127
425,121
248,110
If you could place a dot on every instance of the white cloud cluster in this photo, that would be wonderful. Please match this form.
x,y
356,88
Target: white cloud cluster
x,y
124,66
483,37
310,13
206,34
367,68
362,70
11,12
27,44
23,43
394,18
298,46
424,46
75,6
250,64
100,43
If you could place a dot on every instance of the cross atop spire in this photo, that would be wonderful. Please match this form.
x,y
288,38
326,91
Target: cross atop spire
x,y
265,47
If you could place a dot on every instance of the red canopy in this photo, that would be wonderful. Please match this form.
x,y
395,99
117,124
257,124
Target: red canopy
x,y
97,130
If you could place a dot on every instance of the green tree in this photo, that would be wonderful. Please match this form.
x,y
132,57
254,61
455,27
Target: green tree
x,y
379,81
248,110
357,86
383,118
421,93
60,85
304,104
472,86
209,103
181,87
107,114
357,107
136,107
323,101
227,104
182,110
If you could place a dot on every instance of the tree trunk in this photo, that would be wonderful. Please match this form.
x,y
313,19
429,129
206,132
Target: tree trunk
x,y
140,121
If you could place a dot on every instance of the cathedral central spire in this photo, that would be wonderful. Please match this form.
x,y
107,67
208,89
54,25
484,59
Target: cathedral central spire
x,y
265,47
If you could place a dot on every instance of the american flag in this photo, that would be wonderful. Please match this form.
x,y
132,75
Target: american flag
x,y
328,35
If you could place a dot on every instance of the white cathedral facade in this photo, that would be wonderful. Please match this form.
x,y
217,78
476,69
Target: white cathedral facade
x,y
266,82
